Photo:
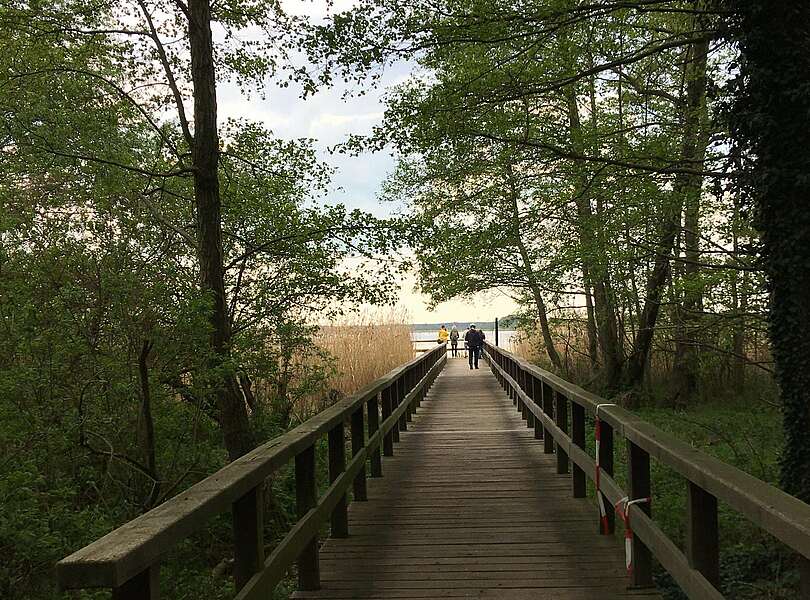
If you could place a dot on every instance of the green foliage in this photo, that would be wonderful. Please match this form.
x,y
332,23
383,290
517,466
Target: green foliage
x,y
108,387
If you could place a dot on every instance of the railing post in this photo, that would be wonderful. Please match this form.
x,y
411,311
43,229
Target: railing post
x,y
248,535
388,438
144,586
337,464
309,571
403,392
396,387
421,371
606,465
373,406
548,408
529,389
638,467
561,419
417,377
408,388
702,534
804,577
521,374
578,438
537,398
358,441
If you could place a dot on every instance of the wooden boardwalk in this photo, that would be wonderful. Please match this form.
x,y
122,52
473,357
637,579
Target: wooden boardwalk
x,y
470,507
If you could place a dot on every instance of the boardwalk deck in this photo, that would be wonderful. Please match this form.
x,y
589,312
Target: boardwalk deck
x,y
470,507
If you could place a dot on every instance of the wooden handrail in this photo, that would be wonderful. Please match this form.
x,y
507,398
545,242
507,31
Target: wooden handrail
x,y
127,559
546,397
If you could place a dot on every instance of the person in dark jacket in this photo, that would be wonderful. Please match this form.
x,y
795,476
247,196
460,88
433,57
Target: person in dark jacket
x,y
454,341
475,341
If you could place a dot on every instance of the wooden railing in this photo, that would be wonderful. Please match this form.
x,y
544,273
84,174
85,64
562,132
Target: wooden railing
x,y
127,559
545,402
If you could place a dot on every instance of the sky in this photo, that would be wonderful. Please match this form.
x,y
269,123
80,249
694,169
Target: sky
x,y
329,118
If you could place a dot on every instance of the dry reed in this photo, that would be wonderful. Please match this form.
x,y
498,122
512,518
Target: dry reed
x,y
365,347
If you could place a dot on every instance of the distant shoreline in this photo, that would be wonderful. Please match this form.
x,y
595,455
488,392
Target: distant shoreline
x,y
460,325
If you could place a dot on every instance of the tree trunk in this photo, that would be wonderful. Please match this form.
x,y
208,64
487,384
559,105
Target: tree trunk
x,y
591,322
686,186
148,423
771,119
687,347
205,157
531,279
600,280
545,330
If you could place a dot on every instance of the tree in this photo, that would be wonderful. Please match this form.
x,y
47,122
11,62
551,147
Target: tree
x,y
771,99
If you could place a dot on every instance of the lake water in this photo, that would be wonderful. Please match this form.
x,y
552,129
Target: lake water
x,y
424,337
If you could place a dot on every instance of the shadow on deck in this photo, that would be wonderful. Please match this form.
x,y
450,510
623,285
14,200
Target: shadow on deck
x,y
471,507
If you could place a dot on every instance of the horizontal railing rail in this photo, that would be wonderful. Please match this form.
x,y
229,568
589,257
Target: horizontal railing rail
x,y
127,559
544,401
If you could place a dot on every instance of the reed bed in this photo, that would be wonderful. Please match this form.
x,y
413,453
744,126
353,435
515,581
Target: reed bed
x,y
365,347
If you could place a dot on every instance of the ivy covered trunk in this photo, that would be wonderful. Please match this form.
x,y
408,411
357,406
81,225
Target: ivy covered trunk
x,y
205,156
771,119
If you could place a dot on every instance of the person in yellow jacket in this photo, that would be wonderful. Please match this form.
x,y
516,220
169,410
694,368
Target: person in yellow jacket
x,y
444,335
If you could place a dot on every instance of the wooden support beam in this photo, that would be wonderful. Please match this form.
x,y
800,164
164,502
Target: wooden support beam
x,y
548,408
358,441
702,533
402,386
144,586
373,409
537,398
638,467
561,419
578,438
306,496
606,466
387,407
337,464
248,535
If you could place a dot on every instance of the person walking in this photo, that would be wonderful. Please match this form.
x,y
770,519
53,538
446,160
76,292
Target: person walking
x,y
454,335
475,340
444,335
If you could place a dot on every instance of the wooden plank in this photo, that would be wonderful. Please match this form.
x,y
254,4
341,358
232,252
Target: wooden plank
x,y
463,514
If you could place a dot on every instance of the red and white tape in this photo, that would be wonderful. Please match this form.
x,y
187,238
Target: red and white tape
x,y
600,500
624,513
